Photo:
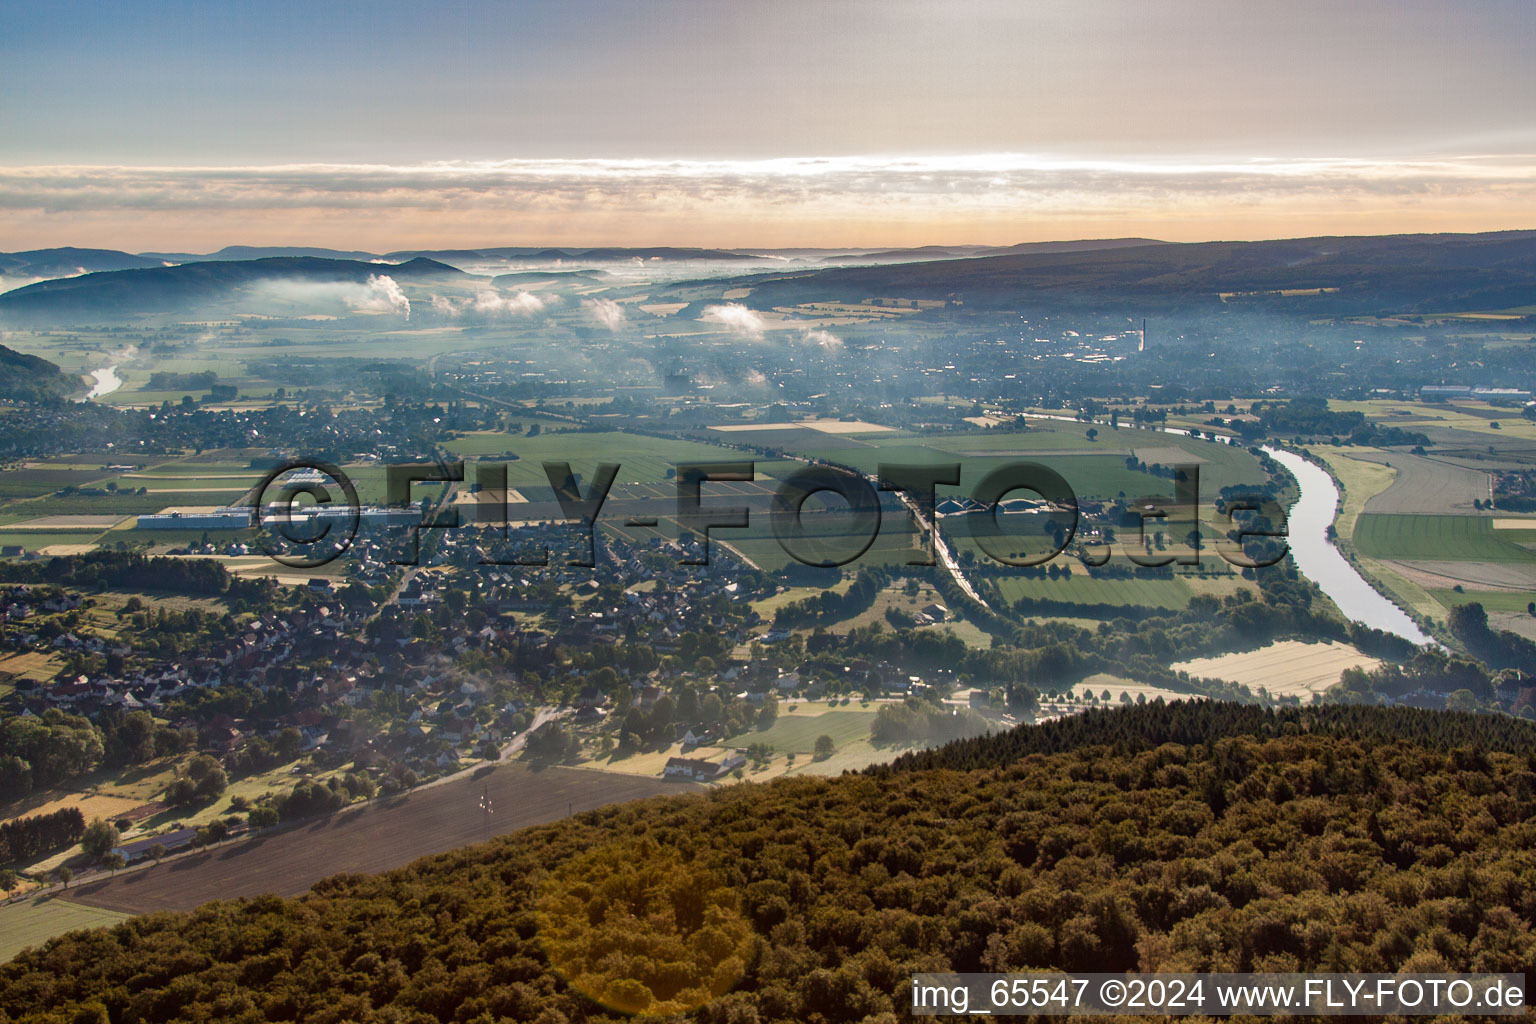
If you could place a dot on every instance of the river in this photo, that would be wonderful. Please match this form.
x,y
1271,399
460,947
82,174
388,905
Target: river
x,y
107,381
1316,557
1319,561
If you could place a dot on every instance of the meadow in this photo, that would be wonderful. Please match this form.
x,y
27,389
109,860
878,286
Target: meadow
x,y
795,732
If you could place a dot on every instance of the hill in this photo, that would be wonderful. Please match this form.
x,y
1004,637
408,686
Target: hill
x,y
257,252
30,378
184,287
68,262
610,254
1344,275
939,252
1339,839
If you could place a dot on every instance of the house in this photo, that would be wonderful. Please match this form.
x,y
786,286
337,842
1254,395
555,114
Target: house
x,y
935,611
694,769
697,736
320,585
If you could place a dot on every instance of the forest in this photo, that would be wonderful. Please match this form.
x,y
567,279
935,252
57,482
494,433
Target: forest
x,y
1199,836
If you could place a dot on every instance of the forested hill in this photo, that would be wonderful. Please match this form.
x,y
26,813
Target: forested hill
x,y
1360,840
1306,276
28,377
1131,730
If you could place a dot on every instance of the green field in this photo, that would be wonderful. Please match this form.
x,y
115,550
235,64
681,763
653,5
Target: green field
x,y
1440,538
1491,600
36,540
34,921
797,735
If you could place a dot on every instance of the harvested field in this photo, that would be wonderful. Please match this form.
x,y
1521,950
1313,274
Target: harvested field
x,y
1425,486
1430,574
379,836
1286,669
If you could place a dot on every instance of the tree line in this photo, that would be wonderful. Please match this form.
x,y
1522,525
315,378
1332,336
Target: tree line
x,y
25,839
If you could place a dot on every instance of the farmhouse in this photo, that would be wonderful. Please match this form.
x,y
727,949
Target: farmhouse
x,y
695,769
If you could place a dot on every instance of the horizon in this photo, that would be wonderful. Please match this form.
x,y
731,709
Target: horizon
x,y
174,128
342,250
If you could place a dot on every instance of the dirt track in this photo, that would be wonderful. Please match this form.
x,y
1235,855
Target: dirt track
x,y
382,835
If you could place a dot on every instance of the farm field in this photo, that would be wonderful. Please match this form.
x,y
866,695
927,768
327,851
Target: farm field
x,y
1424,486
1463,415
379,836
1491,600
1440,538
1362,481
33,921
1289,668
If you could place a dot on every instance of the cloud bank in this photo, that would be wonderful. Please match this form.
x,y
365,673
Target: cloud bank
x,y
826,201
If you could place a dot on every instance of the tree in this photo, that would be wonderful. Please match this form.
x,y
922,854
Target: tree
x,y
113,861
157,852
63,875
100,836
8,881
207,775
824,747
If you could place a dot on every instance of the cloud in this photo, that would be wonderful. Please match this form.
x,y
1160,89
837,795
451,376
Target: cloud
x,y
606,312
12,282
384,296
736,318
488,302
825,339
830,200
379,294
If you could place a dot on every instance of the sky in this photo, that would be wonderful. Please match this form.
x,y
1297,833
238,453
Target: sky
x,y
188,126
